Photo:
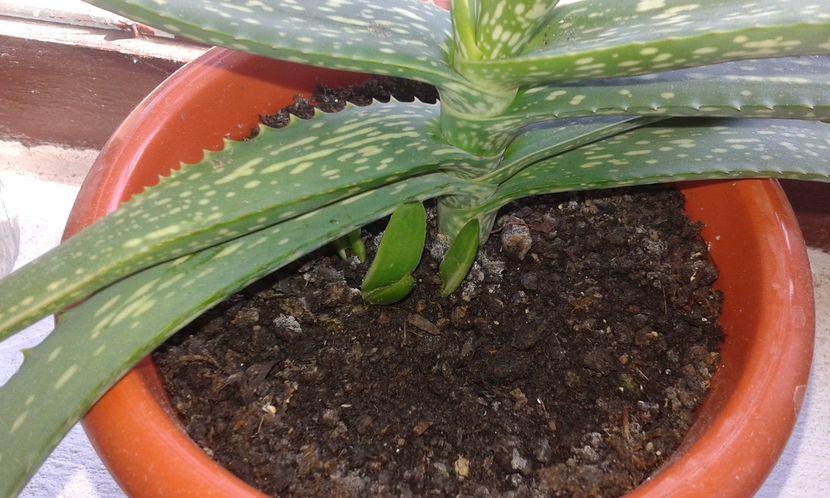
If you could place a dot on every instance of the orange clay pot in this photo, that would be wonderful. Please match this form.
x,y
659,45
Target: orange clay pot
x,y
768,315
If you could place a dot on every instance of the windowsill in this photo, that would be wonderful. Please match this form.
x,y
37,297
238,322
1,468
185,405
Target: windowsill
x,y
69,12
71,77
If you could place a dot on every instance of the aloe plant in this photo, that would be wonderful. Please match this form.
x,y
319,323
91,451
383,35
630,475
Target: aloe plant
x,y
535,97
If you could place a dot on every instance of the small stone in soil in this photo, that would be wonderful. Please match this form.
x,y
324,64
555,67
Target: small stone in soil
x,y
462,467
515,237
422,323
421,427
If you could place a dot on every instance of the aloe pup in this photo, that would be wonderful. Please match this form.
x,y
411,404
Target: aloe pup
x,y
535,98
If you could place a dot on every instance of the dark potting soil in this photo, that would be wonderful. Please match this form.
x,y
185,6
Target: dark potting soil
x,y
570,362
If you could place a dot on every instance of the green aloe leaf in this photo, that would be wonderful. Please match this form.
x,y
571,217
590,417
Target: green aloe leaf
x,y
464,16
505,28
522,147
99,340
555,137
678,150
459,258
357,246
596,39
392,292
246,187
534,144
395,37
350,242
389,277
791,87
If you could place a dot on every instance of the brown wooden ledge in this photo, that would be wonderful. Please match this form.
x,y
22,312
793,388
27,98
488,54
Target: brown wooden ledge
x,y
73,85
811,203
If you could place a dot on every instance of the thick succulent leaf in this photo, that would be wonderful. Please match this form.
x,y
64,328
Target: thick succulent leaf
x,y
789,87
555,137
245,187
505,27
537,142
464,14
97,341
675,150
613,38
459,258
396,37
389,278
350,242
390,293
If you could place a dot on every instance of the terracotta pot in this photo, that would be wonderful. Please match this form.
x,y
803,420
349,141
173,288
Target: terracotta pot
x,y
768,316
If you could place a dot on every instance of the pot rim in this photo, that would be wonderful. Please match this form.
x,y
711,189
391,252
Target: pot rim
x,y
759,400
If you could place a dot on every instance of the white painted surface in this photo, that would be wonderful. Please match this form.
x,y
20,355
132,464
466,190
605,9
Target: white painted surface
x,y
41,184
69,12
804,469
72,22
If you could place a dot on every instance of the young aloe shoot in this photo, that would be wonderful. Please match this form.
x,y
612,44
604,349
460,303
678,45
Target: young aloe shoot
x,y
459,258
536,96
351,242
389,278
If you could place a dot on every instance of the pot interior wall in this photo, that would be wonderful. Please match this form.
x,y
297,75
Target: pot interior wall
x,y
768,322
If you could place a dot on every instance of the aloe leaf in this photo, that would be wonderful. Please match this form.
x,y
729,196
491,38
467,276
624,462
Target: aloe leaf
x,y
536,143
341,246
464,14
245,187
100,339
596,39
398,255
459,97
356,245
390,293
791,87
543,139
678,150
459,258
555,137
395,37
350,241
505,28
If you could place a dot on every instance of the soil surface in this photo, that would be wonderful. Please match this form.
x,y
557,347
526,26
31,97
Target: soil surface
x,y
570,362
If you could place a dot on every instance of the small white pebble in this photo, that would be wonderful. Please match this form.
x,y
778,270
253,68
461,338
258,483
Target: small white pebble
x,y
461,467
